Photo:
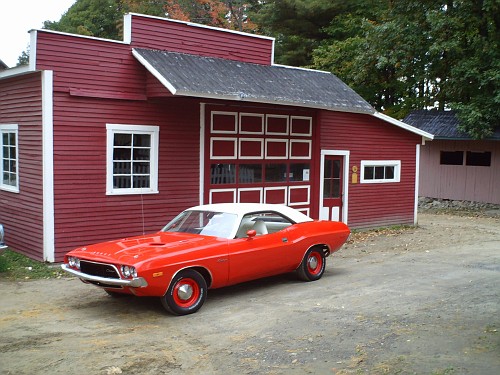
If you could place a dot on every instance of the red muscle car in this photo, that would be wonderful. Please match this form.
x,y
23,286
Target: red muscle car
x,y
208,247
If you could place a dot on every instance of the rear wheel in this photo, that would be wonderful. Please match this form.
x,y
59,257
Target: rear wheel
x,y
186,294
312,266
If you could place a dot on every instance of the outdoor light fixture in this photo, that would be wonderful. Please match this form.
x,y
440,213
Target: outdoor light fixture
x,y
2,244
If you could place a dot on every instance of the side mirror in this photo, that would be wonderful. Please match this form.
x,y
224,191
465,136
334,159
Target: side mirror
x,y
251,233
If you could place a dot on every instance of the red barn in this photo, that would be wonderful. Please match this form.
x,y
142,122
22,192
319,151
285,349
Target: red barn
x,y
102,138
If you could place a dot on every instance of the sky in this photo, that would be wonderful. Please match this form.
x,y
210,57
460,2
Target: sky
x,y
17,17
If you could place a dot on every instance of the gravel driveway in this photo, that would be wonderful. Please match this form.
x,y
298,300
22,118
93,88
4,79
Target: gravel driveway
x,y
423,300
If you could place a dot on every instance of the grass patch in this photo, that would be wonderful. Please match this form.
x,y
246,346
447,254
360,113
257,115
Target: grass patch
x,y
16,266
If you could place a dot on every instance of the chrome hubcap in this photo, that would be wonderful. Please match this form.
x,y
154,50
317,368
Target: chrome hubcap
x,y
313,263
185,292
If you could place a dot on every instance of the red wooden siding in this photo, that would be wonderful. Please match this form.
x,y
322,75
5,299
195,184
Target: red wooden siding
x,y
83,211
22,213
155,88
90,66
368,138
460,182
155,33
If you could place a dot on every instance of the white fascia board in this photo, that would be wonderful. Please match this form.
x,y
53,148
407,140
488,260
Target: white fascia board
x,y
127,28
299,68
154,72
403,125
272,52
78,36
33,49
17,71
48,165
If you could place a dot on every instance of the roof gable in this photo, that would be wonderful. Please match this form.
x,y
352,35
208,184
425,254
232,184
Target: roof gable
x,y
210,77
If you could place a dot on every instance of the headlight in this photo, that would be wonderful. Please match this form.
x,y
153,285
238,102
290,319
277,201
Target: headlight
x,y
74,262
129,271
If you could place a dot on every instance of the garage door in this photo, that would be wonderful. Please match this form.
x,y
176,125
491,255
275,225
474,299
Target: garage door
x,y
259,158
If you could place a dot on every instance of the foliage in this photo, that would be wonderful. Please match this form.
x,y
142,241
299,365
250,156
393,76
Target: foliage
x,y
299,25
24,59
229,14
98,18
474,87
16,266
420,54
103,18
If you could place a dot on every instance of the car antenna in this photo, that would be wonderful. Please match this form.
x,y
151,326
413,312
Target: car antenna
x,y
142,212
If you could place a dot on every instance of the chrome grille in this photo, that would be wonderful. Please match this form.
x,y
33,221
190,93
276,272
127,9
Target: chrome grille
x,y
99,269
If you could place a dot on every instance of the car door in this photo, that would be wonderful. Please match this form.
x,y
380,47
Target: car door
x,y
262,255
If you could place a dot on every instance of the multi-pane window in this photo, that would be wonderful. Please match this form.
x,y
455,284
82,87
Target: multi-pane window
x,y
380,171
9,153
132,164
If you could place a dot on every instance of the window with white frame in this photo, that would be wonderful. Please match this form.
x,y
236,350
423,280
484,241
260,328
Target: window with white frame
x,y
10,156
132,159
380,171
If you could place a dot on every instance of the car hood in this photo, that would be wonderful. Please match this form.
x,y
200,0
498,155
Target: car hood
x,y
137,249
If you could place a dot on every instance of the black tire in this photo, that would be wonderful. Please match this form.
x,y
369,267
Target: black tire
x,y
186,293
312,266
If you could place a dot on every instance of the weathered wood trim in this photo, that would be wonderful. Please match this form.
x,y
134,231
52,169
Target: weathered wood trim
x,y
103,94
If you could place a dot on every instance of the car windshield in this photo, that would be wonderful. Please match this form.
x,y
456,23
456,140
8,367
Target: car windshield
x,y
207,223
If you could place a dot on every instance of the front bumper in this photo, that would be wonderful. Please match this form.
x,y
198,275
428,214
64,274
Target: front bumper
x,y
137,282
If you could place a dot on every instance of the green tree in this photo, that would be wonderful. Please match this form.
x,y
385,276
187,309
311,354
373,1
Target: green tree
x,y
473,87
24,59
230,14
419,54
98,18
300,26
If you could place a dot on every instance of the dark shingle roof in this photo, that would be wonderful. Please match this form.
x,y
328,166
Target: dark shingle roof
x,y
210,77
442,124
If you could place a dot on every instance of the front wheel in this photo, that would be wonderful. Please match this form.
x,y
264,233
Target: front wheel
x,y
186,294
312,266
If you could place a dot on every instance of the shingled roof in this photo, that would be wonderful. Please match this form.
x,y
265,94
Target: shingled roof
x,y
442,124
210,77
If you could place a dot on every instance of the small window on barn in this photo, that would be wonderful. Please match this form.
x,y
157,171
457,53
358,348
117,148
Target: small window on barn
x,y
478,159
452,158
380,171
132,159
9,158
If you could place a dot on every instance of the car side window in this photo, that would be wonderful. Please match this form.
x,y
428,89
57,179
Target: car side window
x,y
263,223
